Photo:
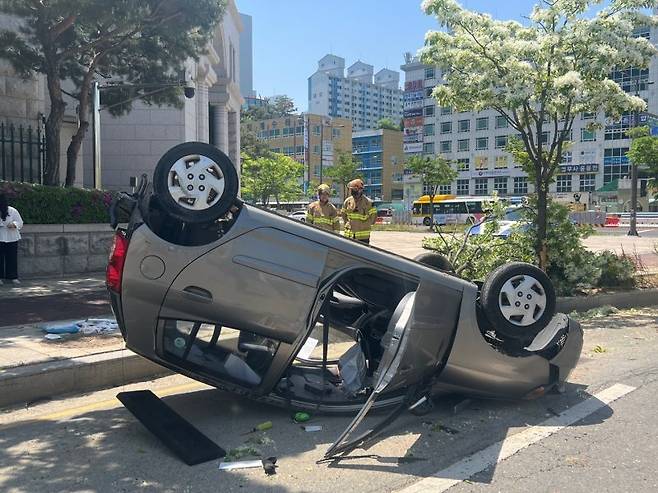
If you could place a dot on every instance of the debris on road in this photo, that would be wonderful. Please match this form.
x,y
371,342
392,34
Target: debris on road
x,y
90,326
267,425
600,312
52,337
599,349
244,464
238,453
301,417
312,428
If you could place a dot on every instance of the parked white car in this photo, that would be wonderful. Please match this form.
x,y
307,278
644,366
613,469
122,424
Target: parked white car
x,y
299,215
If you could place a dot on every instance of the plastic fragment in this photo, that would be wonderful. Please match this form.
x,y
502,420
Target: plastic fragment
x,y
312,428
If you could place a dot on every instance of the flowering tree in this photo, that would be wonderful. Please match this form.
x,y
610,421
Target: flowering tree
x,y
539,76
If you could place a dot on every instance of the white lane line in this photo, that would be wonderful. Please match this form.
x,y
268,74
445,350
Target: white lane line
x,y
499,451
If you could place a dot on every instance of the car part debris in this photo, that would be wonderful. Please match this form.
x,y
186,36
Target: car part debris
x,y
183,439
269,465
312,428
243,464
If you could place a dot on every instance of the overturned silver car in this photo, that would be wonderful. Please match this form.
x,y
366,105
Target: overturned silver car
x,y
277,310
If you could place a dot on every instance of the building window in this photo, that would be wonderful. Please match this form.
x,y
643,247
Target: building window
x,y
563,183
501,121
463,145
446,110
587,135
446,146
429,110
445,189
316,129
501,141
316,149
545,137
428,130
500,185
482,123
335,132
463,164
464,126
428,94
481,162
587,182
481,143
429,73
520,185
501,162
446,127
615,164
567,157
428,148
462,187
482,186
587,116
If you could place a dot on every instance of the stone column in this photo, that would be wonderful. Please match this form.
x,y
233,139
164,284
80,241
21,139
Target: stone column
x,y
233,150
221,128
202,113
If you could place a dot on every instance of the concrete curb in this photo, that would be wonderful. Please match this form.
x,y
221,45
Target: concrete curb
x,y
636,298
24,384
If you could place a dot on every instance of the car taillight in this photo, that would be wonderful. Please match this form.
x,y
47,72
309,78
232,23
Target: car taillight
x,y
114,270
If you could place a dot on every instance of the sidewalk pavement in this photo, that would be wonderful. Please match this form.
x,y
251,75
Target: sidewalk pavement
x,y
33,368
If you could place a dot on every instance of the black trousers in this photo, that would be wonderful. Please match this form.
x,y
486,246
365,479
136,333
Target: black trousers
x,y
9,260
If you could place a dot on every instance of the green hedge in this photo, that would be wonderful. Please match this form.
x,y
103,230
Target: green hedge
x,y
39,204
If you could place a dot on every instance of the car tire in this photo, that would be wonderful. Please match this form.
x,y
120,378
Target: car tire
x,y
196,182
435,260
427,221
519,300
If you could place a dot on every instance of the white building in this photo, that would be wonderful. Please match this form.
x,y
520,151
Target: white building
x,y
475,141
363,96
133,144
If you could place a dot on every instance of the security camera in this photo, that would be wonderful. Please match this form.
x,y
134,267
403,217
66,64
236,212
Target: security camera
x,y
189,89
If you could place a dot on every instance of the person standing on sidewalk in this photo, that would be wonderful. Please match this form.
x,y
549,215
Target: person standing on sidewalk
x,y
358,213
10,227
323,213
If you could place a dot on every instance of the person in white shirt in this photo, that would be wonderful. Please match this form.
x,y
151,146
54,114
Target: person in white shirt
x,y
10,232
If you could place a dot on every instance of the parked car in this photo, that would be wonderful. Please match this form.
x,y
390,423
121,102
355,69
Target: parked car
x,y
299,215
235,296
510,221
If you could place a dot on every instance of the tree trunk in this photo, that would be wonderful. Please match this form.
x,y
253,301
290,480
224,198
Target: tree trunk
x,y
53,126
83,125
542,204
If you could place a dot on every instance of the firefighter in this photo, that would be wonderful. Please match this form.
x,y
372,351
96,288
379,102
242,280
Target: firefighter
x,y
358,213
323,213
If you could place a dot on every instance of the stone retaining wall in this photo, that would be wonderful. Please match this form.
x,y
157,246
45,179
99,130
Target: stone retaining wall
x,y
52,250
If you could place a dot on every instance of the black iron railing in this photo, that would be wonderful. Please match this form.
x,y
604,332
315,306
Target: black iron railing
x,y
22,153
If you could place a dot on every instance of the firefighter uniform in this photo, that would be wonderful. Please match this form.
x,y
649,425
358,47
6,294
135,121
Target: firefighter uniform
x,y
359,214
324,216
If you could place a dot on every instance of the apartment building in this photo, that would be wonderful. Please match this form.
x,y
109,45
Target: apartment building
x,y
475,141
359,94
314,140
381,163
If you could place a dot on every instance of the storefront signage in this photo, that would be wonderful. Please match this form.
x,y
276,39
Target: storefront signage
x,y
413,112
488,173
579,168
413,85
413,147
417,121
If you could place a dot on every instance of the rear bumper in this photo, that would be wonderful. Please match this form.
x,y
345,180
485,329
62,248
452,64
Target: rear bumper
x,y
565,361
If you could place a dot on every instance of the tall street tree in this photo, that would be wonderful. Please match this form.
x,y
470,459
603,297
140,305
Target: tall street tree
x,y
644,152
271,176
270,108
539,75
433,171
143,43
344,170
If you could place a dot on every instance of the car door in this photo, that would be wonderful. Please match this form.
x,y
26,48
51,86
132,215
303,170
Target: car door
x,y
416,345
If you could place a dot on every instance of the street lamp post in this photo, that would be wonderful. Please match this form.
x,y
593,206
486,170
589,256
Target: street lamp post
x,y
96,114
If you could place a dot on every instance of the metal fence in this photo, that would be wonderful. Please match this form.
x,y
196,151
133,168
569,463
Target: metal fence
x,y
22,153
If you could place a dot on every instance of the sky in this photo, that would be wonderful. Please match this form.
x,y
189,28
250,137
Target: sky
x,y
290,36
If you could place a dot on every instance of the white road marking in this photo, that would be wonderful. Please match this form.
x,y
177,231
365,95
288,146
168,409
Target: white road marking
x,y
499,451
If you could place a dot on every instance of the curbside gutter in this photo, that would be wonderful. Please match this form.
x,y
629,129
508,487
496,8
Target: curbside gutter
x,y
29,383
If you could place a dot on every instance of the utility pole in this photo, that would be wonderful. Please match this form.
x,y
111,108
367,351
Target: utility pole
x,y
321,146
96,131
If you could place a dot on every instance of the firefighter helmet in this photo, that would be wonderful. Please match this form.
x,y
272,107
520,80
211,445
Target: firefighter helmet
x,y
355,184
323,188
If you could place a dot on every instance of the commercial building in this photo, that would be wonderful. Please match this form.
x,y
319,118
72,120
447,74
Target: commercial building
x,y
360,94
381,163
475,141
247,57
133,144
313,140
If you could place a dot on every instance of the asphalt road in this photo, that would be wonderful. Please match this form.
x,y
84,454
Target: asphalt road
x,y
91,444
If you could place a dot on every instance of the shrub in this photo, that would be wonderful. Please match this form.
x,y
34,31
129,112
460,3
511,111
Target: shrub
x,y
39,204
571,266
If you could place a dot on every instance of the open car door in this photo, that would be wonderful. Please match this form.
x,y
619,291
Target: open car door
x,y
415,348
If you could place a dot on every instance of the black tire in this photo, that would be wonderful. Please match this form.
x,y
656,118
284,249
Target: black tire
x,y
164,176
427,221
493,298
435,260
